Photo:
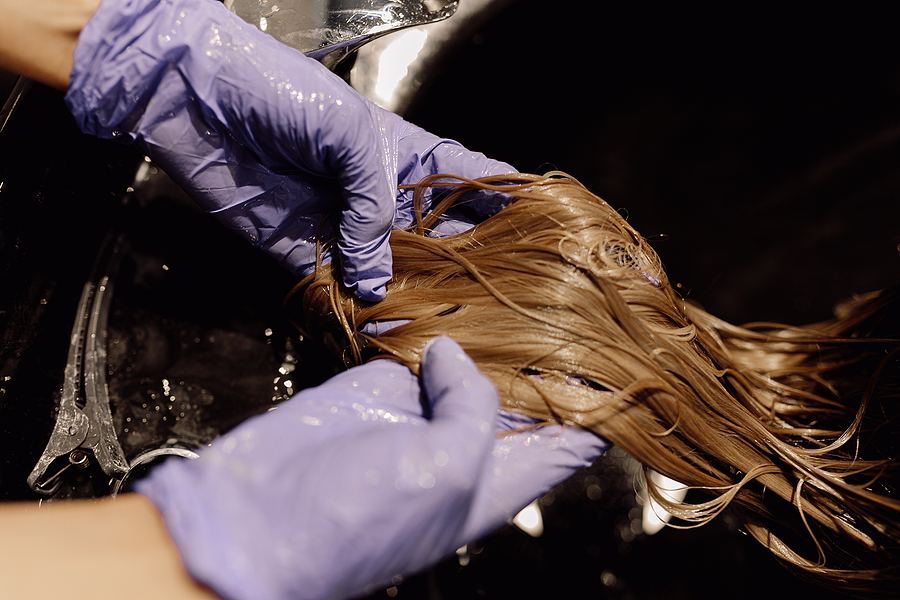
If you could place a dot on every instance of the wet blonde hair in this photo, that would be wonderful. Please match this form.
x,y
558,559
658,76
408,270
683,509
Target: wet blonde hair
x,y
568,310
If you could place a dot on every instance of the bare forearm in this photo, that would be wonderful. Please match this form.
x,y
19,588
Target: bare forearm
x,y
37,38
92,550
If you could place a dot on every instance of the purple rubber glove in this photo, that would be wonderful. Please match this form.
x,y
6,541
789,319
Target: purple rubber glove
x,y
347,487
265,138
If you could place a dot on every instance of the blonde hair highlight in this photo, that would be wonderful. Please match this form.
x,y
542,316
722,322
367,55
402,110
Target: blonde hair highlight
x,y
569,311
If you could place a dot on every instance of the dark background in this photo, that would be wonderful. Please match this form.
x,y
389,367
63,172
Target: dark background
x,y
763,144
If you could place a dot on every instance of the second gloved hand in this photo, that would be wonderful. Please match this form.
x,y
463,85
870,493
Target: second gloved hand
x,y
263,137
351,486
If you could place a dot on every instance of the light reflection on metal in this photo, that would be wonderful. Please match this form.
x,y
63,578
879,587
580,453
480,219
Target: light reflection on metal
x,y
655,516
14,99
419,62
144,460
84,421
530,520
393,64
330,30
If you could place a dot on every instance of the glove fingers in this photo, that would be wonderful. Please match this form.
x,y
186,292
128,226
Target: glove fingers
x,y
570,448
525,466
365,250
546,456
435,155
459,161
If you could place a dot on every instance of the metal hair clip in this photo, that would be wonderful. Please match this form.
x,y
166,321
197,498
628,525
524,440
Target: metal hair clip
x,y
331,31
84,424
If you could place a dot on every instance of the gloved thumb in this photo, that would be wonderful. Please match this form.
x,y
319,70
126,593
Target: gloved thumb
x,y
457,390
367,174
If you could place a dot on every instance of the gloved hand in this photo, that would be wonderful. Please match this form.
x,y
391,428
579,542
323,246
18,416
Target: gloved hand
x,y
346,487
265,138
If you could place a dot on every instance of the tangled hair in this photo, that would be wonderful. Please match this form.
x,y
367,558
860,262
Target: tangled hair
x,y
568,310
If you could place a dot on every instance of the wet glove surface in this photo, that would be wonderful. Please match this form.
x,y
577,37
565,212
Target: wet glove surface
x,y
265,138
346,487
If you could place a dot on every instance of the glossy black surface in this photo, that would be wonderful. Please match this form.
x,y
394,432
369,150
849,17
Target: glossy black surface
x,y
60,193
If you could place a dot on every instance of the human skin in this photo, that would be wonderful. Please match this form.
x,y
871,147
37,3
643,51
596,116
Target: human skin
x,y
91,549
38,37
